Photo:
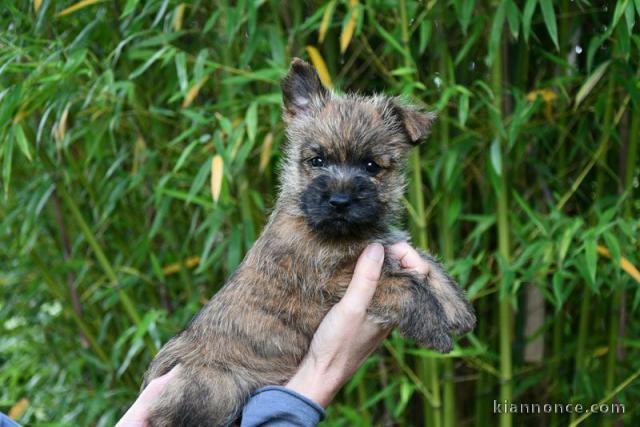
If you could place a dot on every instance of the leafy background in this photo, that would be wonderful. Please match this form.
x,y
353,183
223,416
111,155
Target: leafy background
x,y
139,151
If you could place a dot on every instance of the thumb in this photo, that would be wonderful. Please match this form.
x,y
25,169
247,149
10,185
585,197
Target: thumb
x,y
365,277
137,414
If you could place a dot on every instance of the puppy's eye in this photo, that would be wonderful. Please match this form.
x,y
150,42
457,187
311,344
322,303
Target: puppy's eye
x,y
317,162
371,167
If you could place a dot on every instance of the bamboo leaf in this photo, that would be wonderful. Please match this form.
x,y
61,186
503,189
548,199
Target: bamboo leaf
x,y
349,28
80,5
321,66
591,258
513,18
141,69
184,155
496,156
549,16
496,32
391,40
129,8
7,157
463,109
61,128
566,239
590,83
193,92
251,120
181,71
630,17
561,290
527,15
471,40
621,6
625,264
465,12
198,181
425,35
36,5
18,409
217,169
175,267
326,20
21,138
179,16
612,245
265,152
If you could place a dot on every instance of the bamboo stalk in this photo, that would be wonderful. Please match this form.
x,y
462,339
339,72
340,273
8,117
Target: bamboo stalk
x,y
103,261
449,395
502,216
428,366
585,306
84,328
616,318
557,344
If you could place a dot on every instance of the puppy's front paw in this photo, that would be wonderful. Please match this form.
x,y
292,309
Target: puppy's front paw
x,y
457,310
424,320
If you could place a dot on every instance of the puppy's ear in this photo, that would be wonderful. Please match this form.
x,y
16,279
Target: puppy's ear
x,y
302,91
416,123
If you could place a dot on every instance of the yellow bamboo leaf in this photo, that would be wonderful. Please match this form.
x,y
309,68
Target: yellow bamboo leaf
x,y
349,28
80,5
138,149
236,145
625,264
600,351
265,152
19,116
193,92
36,5
61,129
217,167
177,21
320,65
326,20
18,409
547,95
176,266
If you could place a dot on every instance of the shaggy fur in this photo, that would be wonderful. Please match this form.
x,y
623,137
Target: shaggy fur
x,y
341,189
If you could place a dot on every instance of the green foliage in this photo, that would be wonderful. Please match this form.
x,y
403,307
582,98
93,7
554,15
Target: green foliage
x,y
111,113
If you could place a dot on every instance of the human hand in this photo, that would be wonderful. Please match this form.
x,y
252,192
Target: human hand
x,y
137,414
346,336
409,258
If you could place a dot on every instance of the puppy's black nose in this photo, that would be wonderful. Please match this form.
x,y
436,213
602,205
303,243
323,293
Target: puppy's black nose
x,y
340,200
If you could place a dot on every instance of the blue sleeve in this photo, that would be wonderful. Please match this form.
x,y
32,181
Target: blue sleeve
x,y
276,406
7,422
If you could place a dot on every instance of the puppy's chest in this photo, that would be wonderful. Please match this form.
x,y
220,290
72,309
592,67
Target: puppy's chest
x,y
313,276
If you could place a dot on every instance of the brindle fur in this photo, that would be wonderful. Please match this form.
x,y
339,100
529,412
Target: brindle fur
x,y
258,327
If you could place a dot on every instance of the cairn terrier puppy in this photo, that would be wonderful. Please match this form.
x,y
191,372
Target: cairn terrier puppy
x,y
341,187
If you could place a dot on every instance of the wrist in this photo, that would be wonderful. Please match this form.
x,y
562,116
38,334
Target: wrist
x,y
315,382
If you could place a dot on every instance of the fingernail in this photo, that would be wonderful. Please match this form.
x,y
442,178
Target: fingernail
x,y
375,252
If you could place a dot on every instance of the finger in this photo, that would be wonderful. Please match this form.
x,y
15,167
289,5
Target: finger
x,y
365,277
139,411
409,258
